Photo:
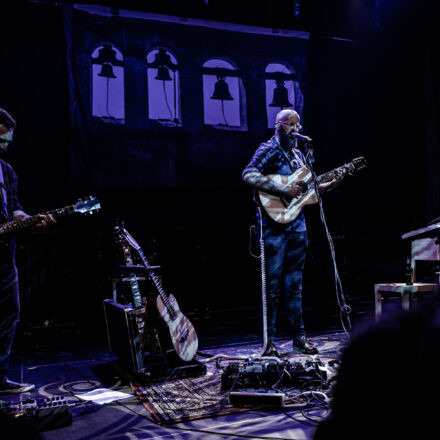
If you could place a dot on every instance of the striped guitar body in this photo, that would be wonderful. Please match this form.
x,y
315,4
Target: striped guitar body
x,y
284,211
182,332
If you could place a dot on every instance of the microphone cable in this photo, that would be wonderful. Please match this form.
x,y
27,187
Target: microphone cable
x,y
344,308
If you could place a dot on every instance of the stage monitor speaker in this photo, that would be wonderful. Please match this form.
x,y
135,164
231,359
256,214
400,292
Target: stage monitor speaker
x,y
123,335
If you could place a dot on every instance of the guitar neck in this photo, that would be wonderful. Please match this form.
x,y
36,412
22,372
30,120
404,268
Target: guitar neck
x,y
17,225
137,297
153,276
157,283
329,175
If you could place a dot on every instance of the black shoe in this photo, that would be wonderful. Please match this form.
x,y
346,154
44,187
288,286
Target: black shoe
x,y
301,346
10,387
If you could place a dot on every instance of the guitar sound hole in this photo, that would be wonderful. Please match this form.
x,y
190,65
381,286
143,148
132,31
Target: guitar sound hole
x,y
303,186
284,202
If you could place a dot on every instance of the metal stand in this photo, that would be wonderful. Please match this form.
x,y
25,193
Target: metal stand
x,y
263,284
126,279
340,297
137,348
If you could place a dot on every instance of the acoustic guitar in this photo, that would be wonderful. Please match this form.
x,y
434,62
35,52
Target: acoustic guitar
x,y
282,210
181,331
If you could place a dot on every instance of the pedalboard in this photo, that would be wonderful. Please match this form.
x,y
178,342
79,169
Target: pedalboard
x,y
265,373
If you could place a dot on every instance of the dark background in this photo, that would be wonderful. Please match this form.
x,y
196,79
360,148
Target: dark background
x,y
372,89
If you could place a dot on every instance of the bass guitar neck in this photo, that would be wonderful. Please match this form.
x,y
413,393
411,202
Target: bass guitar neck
x,y
87,206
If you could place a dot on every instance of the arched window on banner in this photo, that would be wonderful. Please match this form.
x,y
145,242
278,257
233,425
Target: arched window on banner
x,y
280,90
163,87
108,84
224,100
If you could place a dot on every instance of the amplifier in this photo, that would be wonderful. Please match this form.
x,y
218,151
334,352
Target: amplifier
x,y
125,344
123,335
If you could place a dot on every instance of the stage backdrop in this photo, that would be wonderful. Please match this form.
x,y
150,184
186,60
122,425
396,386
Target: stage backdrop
x,y
160,101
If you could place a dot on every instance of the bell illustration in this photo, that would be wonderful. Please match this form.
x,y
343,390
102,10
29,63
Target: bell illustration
x,y
280,96
107,71
221,90
163,74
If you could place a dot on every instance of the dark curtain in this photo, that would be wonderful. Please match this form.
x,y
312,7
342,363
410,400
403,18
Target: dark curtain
x,y
140,152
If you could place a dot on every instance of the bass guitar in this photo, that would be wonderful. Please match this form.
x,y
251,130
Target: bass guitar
x,y
182,332
133,280
285,211
82,206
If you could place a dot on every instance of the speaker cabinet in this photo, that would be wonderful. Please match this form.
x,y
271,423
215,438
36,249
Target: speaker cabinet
x,y
123,335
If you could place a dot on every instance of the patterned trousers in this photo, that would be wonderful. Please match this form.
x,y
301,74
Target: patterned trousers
x,y
285,258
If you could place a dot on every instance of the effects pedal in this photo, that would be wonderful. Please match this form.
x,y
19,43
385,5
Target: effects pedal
x,y
51,413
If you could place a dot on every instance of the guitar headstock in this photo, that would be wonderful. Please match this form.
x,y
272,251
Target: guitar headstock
x,y
119,231
90,204
132,242
124,236
356,164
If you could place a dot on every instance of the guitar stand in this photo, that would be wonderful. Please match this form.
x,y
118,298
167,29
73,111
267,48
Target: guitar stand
x,y
160,370
125,277
145,366
136,360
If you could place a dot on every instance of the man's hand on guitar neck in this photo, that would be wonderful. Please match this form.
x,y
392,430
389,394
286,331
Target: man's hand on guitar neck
x,y
44,219
339,177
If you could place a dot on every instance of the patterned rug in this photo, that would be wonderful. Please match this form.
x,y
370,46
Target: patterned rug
x,y
195,398
186,399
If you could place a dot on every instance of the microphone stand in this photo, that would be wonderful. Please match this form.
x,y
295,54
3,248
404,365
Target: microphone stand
x,y
310,161
344,308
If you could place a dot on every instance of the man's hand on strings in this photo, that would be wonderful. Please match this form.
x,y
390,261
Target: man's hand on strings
x,y
292,190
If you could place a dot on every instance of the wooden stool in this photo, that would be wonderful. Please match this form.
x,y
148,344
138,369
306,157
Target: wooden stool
x,y
406,292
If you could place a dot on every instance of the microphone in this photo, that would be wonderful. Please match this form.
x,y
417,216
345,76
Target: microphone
x,y
301,137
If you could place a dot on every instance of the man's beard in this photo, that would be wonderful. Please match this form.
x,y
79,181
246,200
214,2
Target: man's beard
x,y
287,142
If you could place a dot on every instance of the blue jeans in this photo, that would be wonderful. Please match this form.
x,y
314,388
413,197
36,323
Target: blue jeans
x,y
9,306
285,258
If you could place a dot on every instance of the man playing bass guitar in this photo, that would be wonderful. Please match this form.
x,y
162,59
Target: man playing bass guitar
x,y
285,244
10,209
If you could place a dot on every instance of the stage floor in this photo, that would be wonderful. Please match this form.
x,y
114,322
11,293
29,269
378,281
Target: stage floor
x,y
69,373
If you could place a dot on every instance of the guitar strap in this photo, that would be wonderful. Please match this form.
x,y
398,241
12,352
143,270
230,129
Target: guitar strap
x,y
303,165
